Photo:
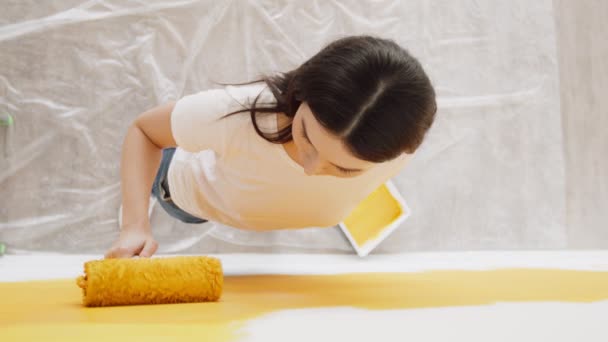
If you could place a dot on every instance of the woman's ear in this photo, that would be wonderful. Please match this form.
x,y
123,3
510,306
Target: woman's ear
x,y
410,152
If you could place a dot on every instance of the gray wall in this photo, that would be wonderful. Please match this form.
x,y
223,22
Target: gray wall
x,y
583,59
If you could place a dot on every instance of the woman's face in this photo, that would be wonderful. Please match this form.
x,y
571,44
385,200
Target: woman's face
x,y
320,152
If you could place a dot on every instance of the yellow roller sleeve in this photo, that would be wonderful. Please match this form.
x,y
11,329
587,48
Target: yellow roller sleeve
x,y
182,279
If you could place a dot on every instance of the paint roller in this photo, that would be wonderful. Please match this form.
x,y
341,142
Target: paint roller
x,y
136,281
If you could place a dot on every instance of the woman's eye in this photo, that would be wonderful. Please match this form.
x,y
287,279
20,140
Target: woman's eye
x,y
347,172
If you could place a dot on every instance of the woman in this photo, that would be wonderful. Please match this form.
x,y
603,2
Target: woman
x,y
316,142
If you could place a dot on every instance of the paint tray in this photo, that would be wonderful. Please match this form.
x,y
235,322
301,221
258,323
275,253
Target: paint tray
x,y
374,219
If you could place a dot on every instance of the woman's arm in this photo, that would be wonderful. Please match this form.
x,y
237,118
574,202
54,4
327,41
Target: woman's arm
x,y
141,154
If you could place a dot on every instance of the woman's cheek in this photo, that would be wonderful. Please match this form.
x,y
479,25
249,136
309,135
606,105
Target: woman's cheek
x,y
302,147
305,154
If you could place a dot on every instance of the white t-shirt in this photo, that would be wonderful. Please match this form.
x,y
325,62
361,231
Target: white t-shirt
x,y
223,171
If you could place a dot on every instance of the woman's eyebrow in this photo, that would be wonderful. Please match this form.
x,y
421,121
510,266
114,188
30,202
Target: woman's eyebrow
x,y
337,166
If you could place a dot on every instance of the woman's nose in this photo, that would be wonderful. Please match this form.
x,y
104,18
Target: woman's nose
x,y
313,166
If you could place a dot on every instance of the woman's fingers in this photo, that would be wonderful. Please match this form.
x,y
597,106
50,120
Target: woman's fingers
x,y
118,252
149,248
133,243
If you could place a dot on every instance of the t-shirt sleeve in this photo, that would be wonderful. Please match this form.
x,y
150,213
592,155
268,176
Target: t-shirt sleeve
x,y
196,120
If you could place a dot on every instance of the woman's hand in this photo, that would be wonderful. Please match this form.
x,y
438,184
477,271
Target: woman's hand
x,y
141,156
133,240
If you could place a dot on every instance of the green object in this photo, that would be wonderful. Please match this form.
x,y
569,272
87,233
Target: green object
x,y
2,248
6,120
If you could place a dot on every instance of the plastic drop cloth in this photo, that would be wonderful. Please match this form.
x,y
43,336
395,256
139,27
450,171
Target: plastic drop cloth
x,y
74,74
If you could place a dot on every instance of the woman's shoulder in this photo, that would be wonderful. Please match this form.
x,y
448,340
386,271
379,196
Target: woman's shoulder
x,y
214,103
246,94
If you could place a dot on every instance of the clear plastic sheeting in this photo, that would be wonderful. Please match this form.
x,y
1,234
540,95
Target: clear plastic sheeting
x,y
74,74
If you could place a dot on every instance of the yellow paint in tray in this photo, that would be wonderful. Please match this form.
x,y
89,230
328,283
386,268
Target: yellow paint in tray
x,y
375,218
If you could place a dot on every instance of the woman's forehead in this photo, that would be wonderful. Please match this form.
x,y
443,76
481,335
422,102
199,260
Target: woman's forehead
x,y
329,146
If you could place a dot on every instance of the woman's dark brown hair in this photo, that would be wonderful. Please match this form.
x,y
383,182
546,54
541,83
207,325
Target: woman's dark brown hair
x,y
366,90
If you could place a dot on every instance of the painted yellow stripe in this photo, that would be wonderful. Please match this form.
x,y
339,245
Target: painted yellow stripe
x,y
33,310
